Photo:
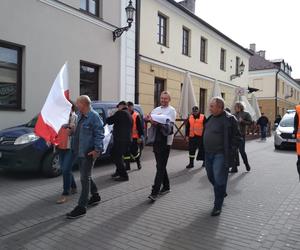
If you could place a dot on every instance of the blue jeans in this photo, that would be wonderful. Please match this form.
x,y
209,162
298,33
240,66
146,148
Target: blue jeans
x,y
263,132
217,174
66,163
85,166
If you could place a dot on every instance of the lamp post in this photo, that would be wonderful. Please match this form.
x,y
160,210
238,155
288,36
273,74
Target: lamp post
x,y
130,10
241,70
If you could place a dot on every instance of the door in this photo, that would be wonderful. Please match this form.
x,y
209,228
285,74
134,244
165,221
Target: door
x,y
159,87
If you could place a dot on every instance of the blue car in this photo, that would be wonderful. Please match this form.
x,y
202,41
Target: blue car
x,y
22,150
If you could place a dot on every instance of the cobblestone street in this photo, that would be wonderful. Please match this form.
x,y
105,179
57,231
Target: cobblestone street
x,y
261,211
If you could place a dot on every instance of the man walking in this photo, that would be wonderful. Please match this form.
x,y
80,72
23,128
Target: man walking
x,y
244,119
263,123
221,137
87,145
194,132
163,140
122,122
297,135
137,138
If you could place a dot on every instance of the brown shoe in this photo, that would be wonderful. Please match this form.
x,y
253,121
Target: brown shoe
x,y
62,199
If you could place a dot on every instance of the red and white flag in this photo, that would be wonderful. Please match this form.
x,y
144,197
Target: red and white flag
x,y
57,108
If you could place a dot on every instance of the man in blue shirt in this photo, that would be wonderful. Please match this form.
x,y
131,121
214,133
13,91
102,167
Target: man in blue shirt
x,y
87,146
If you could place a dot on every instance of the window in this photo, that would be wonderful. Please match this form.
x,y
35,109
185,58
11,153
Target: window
x,y
223,95
89,80
203,50
162,29
185,41
159,86
10,76
237,65
90,6
283,88
223,59
202,100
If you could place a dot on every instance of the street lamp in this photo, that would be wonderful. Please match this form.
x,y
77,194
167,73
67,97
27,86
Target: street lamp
x,y
130,10
241,70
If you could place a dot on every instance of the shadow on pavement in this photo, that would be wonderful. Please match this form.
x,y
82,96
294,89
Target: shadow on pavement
x,y
200,234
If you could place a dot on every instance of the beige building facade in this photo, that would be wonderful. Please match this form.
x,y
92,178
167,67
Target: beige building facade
x,y
277,91
174,40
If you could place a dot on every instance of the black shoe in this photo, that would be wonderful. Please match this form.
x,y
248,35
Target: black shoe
x,y
139,166
189,166
152,197
115,175
164,191
248,168
215,212
225,195
94,200
76,213
121,178
233,170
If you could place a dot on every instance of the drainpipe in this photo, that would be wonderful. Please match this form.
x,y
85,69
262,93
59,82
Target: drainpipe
x,y
137,51
276,92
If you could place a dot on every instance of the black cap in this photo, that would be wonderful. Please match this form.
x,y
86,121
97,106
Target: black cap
x,y
122,103
195,108
130,104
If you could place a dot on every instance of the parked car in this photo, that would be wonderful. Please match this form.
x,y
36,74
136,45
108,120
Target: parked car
x,y
22,150
284,134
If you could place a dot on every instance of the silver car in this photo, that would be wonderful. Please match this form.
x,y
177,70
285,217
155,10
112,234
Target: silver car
x,y
284,134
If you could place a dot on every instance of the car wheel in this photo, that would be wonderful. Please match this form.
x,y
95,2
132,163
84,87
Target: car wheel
x,y
51,167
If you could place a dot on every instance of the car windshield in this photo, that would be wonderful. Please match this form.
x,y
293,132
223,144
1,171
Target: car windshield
x,y
287,122
32,123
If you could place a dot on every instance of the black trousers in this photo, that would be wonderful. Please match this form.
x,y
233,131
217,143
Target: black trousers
x,y
119,149
133,152
243,151
196,143
161,177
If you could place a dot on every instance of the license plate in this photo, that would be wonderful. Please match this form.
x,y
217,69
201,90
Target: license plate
x,y
291,140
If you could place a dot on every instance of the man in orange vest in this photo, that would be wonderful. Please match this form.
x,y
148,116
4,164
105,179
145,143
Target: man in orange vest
x,y
297,135
134,152
194,133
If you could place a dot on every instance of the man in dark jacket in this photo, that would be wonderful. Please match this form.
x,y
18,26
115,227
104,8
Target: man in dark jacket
x,y
194,132
244,119
263,123
221,138
134,151
122,122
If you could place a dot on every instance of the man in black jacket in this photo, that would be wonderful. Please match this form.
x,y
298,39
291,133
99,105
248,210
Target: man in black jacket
x,y
122,122
221,139
263,122
134,151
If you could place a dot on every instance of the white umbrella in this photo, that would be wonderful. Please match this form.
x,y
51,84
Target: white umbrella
x,y
187,97
248,107
255,106
216,90
240,97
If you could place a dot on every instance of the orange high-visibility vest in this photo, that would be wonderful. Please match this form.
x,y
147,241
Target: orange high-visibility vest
x,y
196,125
298,130
135,132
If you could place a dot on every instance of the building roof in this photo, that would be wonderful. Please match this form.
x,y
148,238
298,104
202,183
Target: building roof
x,y
258,62
179,6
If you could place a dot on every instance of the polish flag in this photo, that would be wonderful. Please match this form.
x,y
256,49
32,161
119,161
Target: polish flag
x,y
56,110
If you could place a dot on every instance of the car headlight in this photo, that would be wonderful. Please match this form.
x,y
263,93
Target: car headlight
x,y
27,138
278,132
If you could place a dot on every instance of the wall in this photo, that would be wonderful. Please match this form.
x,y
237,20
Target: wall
x,y
51,36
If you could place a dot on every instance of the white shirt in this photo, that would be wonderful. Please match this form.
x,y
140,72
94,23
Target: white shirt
x,y
170,112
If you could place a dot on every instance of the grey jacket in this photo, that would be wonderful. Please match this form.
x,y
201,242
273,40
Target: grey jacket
x,y
244,119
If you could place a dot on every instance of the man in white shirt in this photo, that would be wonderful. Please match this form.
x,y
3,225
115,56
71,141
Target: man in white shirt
x,y
163,119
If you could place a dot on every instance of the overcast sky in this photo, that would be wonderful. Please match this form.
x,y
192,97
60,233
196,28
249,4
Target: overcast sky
x,y
272,24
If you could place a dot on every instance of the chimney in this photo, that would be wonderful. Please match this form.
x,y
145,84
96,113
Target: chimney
x,y
262,53
253,47
189,4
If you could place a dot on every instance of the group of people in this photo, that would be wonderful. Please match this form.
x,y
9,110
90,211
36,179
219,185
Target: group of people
x,y
218,139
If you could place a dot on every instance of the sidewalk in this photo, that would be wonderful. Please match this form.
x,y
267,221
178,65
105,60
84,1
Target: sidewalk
x,y
261,212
